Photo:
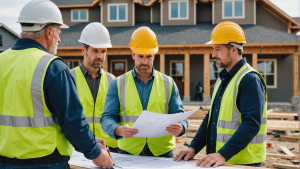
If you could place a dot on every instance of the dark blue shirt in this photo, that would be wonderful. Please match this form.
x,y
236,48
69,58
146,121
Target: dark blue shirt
x,y
250,102
62,100
111,111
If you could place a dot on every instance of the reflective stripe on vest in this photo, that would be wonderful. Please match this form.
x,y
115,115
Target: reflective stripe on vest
x,y
39,119
125,118
257,139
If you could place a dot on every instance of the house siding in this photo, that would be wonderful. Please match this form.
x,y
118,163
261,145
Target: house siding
x,y
265,18
130,13
142,13
189,21
196,73
8,39
156,13
249,13
94,15
204,12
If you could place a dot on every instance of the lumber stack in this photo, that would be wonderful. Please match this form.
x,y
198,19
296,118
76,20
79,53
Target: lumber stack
x,y
285,166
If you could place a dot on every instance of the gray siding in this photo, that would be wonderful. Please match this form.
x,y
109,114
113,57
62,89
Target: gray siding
x,y
204,12
284,89
142,13
265,18
249,13
189,21
156,13
156,63
8,39
94,15
196,73
130,12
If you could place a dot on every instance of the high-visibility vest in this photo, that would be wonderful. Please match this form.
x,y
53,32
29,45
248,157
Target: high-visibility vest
x,y
131,108
27,128
91,109
230,119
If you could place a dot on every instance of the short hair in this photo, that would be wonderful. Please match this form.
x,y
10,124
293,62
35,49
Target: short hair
x,y
240,52
37,34
86,46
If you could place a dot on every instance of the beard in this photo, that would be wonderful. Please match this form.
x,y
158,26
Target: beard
x,y
143,70
224,63
53,48
93,63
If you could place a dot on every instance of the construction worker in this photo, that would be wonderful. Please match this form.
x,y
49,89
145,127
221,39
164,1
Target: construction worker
x,y
143,88
234,131
40,111
92,82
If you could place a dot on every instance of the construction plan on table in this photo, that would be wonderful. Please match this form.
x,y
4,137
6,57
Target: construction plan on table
x,y
152,124
125,161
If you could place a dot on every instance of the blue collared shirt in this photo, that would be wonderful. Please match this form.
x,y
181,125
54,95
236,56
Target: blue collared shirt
x,y
111,111
250,102
62,100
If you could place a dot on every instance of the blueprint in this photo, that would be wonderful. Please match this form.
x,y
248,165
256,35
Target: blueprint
x,y
124,161
152,124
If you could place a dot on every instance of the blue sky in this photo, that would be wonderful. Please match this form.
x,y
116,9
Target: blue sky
x,y
10,10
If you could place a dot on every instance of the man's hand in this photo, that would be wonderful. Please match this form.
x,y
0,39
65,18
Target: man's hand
x,y
101,142
175,130
126,131
187,154
104,159
207,161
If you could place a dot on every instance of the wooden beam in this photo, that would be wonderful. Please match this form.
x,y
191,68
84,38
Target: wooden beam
x,y
105,64
281,115
206,84
79,5
290,27
295,75
254,61
281,156
287,151
285,166
186,74
162,63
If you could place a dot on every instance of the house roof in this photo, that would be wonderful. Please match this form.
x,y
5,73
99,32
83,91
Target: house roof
x,y
72,2
11,31
188,34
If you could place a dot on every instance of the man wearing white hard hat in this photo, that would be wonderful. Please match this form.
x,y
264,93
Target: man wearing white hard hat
x,y
40,111
92,82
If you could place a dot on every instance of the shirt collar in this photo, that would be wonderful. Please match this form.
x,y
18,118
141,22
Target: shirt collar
x,y
84,71
23,43
136,76
233,70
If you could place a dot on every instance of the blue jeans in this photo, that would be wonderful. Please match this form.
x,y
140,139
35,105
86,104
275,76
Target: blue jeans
x,y
149,153
58,165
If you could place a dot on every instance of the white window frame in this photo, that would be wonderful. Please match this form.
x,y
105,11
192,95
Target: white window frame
x,y
275,72
118,60
187,10
79,20
176,61
73,60
233,10
126,12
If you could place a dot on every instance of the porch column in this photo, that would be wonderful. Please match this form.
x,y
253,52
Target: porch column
x,y
187,78
254,61
206,83
295,75
105,64
162,63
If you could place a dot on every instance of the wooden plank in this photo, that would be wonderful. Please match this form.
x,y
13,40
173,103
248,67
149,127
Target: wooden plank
x,y
289,138
206,77
281,156
189,108
295,75
285,166
199,114
254,61
287,151
162,63
187,74
282,115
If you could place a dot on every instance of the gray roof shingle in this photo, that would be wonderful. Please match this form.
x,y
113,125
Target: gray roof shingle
x,y
145,1
72,2
189,34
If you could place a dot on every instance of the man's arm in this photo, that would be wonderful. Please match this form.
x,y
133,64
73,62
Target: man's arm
x,y
63,102
250,102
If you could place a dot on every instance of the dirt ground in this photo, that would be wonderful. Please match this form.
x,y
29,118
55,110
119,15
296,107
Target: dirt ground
x,y
268,163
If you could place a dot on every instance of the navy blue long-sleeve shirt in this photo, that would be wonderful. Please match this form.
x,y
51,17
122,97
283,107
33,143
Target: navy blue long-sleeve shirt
x,y
250,102
62,100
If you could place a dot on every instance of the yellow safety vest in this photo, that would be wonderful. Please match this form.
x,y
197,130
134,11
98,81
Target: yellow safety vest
x,y
93,110
27,128
230,119
131,108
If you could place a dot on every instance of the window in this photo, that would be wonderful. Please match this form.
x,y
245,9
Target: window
x,y
268,69
79,15
213,72
178,10
1,40
233,9
117,12
72,63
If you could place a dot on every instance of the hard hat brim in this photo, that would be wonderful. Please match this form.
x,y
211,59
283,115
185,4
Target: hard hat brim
x,y
142,51
107,45
64,26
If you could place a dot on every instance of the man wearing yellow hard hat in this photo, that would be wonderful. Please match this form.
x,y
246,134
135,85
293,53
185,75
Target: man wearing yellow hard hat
x,y
143,88
235,129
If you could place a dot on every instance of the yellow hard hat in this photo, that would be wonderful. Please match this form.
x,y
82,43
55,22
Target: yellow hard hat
x,y
143,41
227,32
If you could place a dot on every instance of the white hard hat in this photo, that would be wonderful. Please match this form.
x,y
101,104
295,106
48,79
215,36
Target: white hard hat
x,y
40,13
95,35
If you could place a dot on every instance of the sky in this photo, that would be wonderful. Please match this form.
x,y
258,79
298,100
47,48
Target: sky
x,y
10,10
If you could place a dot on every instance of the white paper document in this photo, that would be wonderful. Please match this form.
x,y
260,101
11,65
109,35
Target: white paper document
x,y
152,124
124,161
